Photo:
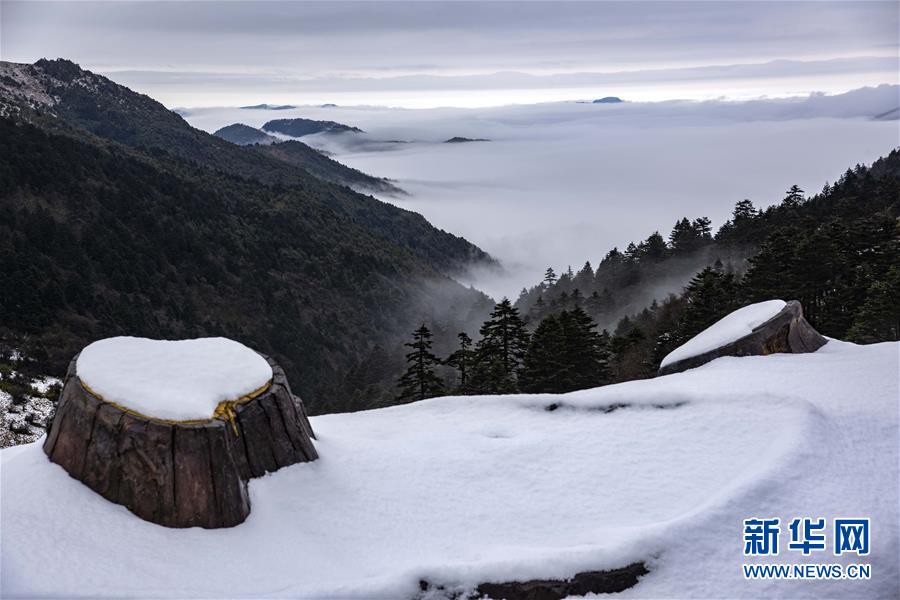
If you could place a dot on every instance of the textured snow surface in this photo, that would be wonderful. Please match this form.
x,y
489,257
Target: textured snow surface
x,y
172,379
463,490
726,330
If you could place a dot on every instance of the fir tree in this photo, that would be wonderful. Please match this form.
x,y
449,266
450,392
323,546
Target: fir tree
x,y
577,298
653,248
565,354
878,319
543,366
500,351
709,296
420,381
586,351
794,197
703,227
549,277
683,237
743,210
462,360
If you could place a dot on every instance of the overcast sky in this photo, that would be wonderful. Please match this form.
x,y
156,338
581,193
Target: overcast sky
x,y
423,54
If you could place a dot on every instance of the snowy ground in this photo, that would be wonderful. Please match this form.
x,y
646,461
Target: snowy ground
x,y
470,489
26,402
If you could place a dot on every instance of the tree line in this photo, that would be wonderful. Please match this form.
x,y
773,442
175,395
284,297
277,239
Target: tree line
x,y
564,353
837,252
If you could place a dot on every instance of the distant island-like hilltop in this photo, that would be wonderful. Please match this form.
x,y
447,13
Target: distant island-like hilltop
x,y
301,127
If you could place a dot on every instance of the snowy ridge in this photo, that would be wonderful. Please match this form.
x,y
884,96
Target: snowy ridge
x,y
463,490
171,379
732,327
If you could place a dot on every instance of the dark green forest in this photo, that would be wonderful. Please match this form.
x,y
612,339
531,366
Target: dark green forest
x,y
837,252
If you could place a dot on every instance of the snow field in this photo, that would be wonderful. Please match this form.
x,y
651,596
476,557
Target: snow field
x,y
462,490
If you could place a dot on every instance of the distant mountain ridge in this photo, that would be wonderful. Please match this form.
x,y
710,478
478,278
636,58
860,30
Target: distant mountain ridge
x,y
461,140
300,127
316,163
313,161
269,107
244,135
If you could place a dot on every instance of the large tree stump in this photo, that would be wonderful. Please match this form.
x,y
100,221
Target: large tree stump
x,y
787,332
178,474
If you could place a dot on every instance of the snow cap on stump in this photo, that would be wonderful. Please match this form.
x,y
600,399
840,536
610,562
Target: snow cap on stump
x,y
757,329
173,429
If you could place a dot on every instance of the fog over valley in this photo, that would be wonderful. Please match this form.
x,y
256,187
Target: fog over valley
x,y
557,184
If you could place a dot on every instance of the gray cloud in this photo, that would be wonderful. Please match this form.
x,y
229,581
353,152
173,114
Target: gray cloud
x,y
293,47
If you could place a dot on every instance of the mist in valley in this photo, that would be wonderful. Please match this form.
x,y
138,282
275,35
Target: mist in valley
x,y
558,184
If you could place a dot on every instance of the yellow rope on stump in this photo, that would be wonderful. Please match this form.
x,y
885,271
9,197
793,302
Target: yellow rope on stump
x,y
225,411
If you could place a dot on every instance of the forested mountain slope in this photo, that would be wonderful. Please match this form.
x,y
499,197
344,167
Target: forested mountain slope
x,y
836,252
119,218
299,154
59,95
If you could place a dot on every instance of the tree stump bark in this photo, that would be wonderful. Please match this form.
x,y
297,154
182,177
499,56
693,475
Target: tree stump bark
x,y
178,474
787,332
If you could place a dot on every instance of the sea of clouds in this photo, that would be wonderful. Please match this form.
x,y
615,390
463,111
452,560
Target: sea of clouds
x,y
561,183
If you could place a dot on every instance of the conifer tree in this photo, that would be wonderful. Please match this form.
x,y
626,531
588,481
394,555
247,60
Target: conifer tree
x,y
653,248
500,351
743,210
539,310
420,381
544,365
794,197
565,354
683,237
577,298
549,277
585,277
703,227
878,319
586,351
462,360
709,296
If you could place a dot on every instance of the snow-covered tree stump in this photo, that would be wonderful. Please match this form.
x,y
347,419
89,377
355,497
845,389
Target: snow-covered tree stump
x,y
171,466
759,329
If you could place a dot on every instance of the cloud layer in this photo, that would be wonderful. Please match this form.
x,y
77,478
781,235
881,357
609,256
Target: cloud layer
x,y
461,53
561,183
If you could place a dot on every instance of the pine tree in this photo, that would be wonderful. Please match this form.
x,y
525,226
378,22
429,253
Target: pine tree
x,y
420,381
703,227
794,197
683,237
586,351
544,364
577,298
878,319
462,360
565,354
743,210
539,310
709,296
653,248
585,277
549,277
500,351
